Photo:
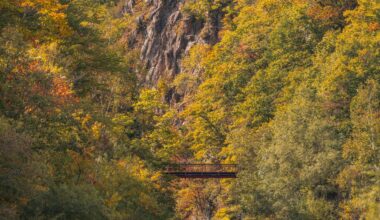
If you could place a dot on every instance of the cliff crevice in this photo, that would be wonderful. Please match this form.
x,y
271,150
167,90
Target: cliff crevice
x,y
164,34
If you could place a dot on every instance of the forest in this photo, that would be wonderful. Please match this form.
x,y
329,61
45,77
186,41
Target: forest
x,y
289,91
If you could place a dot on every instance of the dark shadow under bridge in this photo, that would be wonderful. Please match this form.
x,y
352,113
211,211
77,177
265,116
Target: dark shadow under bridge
x,y
202,170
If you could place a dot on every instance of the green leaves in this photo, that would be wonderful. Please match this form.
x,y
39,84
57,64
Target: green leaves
x,y
66,202
70,89
281,90
290,92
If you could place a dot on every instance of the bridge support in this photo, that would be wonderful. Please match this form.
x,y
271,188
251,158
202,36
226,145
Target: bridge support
x,y
202,170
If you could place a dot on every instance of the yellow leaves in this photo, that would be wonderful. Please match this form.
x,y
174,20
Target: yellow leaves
x,y
185,199
349,177
84,119
277,8
222,214
364,143
365,206
149,101
43,61
43,56
199,8
317,207
366,10
364,16
228,152
96,130
156,176
50,7
148,202
121,124
227,213
27,3
52,13
114,200
374,204
135,167
85,24
200,153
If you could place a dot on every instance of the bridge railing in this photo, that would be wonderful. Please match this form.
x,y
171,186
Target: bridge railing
x,y
201,168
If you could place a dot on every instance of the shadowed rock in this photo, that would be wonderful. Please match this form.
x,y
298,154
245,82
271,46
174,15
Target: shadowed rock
x,y
166,34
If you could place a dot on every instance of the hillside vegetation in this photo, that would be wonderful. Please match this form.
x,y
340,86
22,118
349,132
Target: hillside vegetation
x,y
290,93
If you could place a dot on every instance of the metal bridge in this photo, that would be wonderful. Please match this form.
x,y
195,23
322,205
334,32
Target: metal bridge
x,y
202,170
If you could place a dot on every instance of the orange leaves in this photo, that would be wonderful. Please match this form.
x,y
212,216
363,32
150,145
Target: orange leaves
x,y
33,66
247,52
323,12
59,91
330,12
62,92
374,26
37,91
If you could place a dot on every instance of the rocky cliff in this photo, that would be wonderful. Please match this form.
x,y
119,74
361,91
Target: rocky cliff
x,y
164,33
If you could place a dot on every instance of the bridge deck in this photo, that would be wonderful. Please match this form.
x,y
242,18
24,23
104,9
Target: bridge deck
x,y
202,170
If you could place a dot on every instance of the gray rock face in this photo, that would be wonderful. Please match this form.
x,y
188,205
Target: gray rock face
x,y
167,34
